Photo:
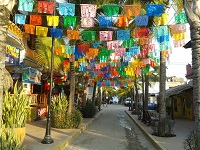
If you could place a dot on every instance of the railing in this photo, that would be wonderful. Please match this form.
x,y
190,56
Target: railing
x,y
38,99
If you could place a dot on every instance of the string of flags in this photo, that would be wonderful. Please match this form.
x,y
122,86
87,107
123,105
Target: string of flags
x,y
119,46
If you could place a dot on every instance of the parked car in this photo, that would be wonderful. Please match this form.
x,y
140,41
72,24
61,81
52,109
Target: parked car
x,y
127,102
152,106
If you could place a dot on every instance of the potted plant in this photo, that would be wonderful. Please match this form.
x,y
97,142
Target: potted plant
x,y
15,111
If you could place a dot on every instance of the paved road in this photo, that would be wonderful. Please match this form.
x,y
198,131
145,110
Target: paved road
x,y
112,130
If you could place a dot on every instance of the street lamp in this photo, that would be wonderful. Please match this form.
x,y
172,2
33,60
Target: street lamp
x,y
47,138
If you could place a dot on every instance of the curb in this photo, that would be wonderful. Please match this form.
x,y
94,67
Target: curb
x,y
157,145
81,129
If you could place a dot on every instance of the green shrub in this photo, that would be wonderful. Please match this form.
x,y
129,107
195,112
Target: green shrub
x,y
15,108
59,116
59,106
89,111
74,120
193,140
9,140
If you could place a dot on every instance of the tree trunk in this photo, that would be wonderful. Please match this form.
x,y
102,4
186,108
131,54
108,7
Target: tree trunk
x,y
72,88
143,114
193,16
133,98
94,93
85,92
162,103
146,97
136,95
4,19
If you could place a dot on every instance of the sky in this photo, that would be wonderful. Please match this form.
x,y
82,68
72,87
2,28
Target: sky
x,y
180,57
176,65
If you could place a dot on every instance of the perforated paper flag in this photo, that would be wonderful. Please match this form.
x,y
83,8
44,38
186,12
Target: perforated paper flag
x,y
154,9
41,31
45,7
105,35
52,20
141,20
122,21
20,19
181,18
88,35
112,44
88,10
73,34
69,21
26,5
134,50
56,33
128,43
105,22
111,9
87,22
29,28
69,49
36,20
67,9
123,34
178,28
141,32
132,10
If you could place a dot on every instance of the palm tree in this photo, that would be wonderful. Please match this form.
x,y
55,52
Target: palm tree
x,y
193,16
6,9
108,93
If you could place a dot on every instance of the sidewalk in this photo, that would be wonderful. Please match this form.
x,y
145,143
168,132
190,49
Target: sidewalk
x,y
35,132
182,129
62,137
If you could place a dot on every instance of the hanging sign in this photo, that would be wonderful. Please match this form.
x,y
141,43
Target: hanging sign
x,y
45,7
88,10
12,51
66,9
31,75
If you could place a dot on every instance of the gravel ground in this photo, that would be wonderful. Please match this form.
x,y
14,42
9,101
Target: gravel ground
x,y
112,130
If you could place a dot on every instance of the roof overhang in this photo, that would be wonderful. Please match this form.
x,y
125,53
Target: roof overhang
x,y
15,40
